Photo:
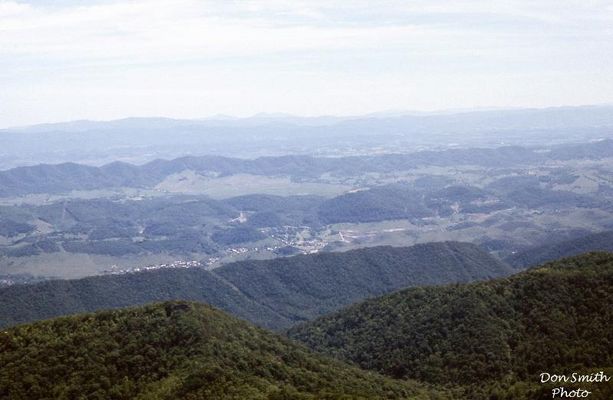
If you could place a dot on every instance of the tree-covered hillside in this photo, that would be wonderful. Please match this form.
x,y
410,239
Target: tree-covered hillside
x,y
496,336
175,350
272,293
602,241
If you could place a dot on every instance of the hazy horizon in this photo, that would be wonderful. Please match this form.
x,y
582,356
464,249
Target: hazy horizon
x,y
103,60
280,115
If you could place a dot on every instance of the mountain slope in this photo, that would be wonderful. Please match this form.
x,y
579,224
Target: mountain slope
x,y
306,286
272,293
170,351
602,241
556,318
25,303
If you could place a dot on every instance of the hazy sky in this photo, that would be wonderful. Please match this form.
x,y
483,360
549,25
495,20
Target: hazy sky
x,y
65,60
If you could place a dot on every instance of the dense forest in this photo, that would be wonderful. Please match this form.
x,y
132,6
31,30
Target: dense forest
x,y
483,340
493,337
176,350
272,293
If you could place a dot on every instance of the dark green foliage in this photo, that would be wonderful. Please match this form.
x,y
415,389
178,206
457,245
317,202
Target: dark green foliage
x,y
175,350
306,286
273,293
48,299
602,241
554,318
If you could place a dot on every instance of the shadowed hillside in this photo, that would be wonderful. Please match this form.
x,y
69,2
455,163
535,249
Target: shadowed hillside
x,y
602,241
273,293
496,337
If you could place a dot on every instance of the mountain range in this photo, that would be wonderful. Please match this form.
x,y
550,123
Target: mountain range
x,y
474,341
141,140
271,293
59,178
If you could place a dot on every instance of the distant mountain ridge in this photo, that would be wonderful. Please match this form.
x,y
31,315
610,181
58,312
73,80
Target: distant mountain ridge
x,y
141,140
499,118
274,293
45,178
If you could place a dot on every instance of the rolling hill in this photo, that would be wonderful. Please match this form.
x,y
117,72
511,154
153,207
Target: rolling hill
x,y
273,293
65,177
602,241
494,338
175,350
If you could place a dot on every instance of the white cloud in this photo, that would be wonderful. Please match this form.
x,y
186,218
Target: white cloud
x,y
287,55
153,30
157,31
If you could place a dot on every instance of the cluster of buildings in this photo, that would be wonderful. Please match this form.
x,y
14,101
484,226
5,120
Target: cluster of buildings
x,y
116,270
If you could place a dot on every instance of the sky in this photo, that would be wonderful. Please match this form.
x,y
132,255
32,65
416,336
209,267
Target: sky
x,y
67,59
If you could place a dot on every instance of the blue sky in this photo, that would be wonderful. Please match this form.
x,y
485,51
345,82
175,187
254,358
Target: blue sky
x,y
68,59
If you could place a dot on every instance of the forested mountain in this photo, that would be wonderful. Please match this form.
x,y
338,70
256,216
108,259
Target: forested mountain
x,y
485,340
273,293
175,350
602,241
494,337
